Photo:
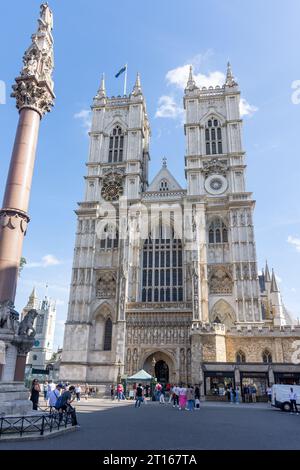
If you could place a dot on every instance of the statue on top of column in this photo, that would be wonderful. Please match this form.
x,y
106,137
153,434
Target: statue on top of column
x,y
46,16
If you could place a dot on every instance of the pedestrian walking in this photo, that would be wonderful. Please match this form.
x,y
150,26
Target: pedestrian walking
x,y
112,391
247,393
197,397
86,391
253,393
182,397
175,396
63,404
78,392
237,395
190,396
35,393
162,397
232,394
293,401
138,396
53,397
120,392
45,390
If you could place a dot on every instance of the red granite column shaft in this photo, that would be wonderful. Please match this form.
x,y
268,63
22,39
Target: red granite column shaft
x,y
16,200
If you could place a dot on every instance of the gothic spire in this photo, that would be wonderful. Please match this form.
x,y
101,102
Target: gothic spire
x,y
102,92
191,84
137,89
274,287
230,81
267,273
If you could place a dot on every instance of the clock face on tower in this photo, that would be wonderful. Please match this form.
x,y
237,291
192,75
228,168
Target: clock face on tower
x,y
216,184
112,189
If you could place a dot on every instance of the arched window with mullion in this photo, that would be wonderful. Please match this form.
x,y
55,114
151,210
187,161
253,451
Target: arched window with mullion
x,y
213,137
162,281
108,335
116,145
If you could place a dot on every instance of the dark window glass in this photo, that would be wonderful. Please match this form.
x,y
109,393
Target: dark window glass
x,y
211,237
122,142
109,242
168,259
219,133
209,123
149,278
214,148
156,295
144,277
174,294
110,156
174,277
120,155
162,259
174,258
207,134
162,295
225,235
115,155
156,259
168,296
168,277
145,259
220,150
180,277
150,259
180,294
213,134
207,148
107,335
180,258
149,295
216,123
156,277
218,236
102,243
111,142
162,278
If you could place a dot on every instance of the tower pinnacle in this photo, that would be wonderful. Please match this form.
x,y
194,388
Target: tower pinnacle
x,y
230,81
102,91
137,89
191,84
274,286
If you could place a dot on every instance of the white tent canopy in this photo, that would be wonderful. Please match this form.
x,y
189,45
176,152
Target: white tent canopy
x,y
140,375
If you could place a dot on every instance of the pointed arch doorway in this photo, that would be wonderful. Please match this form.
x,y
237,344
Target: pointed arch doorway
x,y
162,372
160,365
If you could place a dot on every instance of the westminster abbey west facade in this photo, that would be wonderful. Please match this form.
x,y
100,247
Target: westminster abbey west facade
x,y
165,278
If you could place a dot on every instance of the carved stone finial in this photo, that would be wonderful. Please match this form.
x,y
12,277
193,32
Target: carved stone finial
x,y
164,161
191,84
137,89
34,86
230,81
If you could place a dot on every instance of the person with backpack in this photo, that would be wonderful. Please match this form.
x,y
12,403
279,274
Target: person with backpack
x,y
138,396
54,395
63,404
35,393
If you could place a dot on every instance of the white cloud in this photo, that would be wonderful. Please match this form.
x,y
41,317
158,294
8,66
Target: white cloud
x,y
278,279
46,261
85,115
168,108
295,242
247,109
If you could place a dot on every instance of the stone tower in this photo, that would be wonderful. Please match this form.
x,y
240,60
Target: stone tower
x,y
117,172
225,252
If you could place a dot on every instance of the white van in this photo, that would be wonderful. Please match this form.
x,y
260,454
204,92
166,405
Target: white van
x,y
280,396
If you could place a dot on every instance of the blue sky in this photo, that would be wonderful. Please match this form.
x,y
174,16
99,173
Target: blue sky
x,y
158,38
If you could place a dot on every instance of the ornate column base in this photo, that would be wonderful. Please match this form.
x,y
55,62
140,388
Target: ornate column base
x,y
14,399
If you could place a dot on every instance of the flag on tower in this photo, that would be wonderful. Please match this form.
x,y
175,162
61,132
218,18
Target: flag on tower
x,y
122,70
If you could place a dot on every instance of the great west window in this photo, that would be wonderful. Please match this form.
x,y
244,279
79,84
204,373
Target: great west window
x,y
162,267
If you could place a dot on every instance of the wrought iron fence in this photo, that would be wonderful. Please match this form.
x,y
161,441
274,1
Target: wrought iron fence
x,y
21,425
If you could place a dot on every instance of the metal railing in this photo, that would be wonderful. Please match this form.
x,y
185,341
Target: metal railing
x,y
21,425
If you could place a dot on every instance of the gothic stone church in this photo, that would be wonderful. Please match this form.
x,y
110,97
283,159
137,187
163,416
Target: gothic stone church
x,y
165,278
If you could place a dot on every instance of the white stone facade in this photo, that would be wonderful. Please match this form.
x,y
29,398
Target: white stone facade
x,y
152,260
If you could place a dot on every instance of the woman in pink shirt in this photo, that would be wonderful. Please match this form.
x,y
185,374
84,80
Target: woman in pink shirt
x,y
182,397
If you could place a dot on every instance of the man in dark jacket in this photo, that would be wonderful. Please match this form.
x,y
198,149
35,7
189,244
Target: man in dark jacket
x,y
65,405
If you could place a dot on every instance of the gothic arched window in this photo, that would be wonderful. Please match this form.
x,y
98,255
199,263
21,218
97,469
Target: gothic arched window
x,y
109,238
213,137
116,145
240,357
107,335
164,185
217,232
267,356
162,279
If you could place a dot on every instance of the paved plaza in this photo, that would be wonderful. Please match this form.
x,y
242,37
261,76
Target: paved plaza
x,y
107,425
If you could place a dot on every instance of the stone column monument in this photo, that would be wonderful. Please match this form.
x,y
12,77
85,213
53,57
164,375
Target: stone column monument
x,y
34,95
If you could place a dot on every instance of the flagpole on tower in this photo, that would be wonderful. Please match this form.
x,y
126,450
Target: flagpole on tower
x,y
125,81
